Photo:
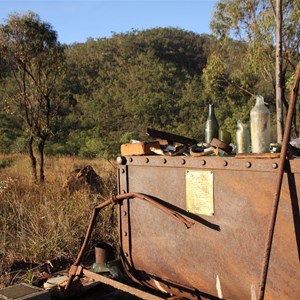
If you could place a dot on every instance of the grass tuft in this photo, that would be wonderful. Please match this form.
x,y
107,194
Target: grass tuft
x,y
40,223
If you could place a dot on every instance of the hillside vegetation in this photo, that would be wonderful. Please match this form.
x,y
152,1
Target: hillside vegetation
x,y
87,98
112,89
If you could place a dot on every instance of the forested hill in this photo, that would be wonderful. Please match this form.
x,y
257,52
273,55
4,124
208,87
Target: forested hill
x,y
113,88
117,87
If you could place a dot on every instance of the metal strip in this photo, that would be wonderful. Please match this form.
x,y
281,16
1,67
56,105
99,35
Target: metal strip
x,y
121,286
124,219
211,163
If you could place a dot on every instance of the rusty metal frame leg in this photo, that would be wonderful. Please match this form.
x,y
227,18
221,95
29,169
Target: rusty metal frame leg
x,y
75,268
286,138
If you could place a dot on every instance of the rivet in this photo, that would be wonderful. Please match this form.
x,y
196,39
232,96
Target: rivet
x,y
248,164
125,233
164,161
203,162
147,160
126,254
183,161
225,163
121,160
131,159
274,165
124,213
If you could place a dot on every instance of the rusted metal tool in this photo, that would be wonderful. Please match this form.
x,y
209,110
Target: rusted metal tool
x,y
221,145
170,137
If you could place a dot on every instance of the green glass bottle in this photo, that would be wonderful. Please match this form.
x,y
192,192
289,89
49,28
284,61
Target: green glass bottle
x,y
211,126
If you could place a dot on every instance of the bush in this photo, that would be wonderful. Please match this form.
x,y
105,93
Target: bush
x,y
5,162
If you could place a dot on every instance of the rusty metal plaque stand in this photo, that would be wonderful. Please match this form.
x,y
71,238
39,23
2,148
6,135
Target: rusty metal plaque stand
x,y
221,256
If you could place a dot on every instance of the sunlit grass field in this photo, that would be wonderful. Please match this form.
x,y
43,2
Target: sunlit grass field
x,y
41,222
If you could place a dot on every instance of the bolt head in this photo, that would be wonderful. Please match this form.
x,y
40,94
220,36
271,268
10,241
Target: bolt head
x,y
121,160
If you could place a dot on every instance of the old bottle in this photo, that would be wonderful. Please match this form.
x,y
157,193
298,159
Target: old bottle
x,y
211,126
242,138
260,127
224,136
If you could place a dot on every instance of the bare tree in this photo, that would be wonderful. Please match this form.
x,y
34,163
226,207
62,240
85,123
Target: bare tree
x,y
35,59
279,74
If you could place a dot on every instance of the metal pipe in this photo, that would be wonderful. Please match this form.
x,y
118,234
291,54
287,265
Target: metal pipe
x,y
286,139
87,237
114,200
163,208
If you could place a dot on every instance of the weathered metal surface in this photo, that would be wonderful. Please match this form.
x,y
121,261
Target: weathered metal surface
x,y
221,255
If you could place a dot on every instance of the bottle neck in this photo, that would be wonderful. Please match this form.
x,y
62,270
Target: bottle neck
x,y
259,101
211,110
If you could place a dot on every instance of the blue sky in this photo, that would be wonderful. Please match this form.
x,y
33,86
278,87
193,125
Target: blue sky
x,y
78,20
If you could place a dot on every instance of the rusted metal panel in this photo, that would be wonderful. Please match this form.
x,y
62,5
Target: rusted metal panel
x,y
221,255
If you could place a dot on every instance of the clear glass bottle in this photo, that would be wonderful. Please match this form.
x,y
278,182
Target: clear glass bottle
x,y
211,126
242,138
260,127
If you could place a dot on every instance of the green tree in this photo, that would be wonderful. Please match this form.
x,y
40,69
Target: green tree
x,y
35,57
254,22
10,134
115,88
229,82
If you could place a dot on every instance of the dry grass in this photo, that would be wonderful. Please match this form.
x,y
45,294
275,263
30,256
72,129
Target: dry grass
x,y
41,222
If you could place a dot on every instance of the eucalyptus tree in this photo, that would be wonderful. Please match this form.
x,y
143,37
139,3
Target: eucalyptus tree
x,y
35,58
261,24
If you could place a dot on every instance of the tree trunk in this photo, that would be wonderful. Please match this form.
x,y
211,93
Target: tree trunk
x,y
32,159
41,147
279,81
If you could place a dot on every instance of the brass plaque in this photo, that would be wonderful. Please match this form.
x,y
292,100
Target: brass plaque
x,y
200,192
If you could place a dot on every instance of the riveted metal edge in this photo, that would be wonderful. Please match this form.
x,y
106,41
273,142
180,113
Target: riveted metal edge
x,y
212,163
124,232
